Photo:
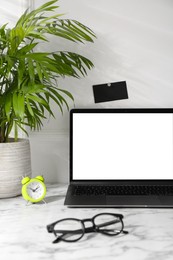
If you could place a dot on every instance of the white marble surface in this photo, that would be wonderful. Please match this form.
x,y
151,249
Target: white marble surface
x,y
23,233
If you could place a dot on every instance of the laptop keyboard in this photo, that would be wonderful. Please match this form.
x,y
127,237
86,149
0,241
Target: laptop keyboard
x,y
122,190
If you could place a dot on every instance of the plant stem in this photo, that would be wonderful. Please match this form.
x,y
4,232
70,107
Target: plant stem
x,y
15,132
2,129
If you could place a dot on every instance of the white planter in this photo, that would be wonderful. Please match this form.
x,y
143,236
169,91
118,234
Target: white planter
x,y
15,162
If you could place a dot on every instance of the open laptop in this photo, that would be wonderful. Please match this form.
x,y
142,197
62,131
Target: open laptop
x,y
121,158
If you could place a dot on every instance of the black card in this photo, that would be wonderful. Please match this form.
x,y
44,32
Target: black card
x,y
110,91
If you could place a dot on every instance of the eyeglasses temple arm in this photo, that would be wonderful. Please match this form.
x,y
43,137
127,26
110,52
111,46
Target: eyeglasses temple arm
x,y
90,229
125,232
108,223
58,239
64,232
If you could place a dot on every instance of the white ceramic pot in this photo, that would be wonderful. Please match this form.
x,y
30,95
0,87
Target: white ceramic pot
x,y
15,162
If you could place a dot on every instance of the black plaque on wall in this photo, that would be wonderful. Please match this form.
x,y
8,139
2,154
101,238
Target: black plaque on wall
x,y
110,91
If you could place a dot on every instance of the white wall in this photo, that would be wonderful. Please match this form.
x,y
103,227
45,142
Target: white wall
x,y
134,43
10,10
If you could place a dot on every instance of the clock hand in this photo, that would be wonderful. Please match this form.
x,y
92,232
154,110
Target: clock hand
x,y
36,188
31,189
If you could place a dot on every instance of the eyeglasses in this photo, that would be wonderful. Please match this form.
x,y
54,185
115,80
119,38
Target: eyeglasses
x,y
73,229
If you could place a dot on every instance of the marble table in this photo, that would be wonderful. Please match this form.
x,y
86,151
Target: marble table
x,y
23,234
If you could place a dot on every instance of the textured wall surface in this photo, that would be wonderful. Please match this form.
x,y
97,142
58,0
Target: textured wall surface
x,y
10,10
134,43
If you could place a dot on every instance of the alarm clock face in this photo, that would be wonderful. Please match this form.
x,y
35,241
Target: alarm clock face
x,y
35,190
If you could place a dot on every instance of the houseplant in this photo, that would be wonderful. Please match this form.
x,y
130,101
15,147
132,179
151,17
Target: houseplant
x,y
28,78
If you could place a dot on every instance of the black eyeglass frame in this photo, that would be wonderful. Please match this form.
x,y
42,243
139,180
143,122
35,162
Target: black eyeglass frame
x,y
94,228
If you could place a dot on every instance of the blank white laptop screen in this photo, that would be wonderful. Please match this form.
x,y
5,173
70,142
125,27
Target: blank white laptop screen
x,y
122,146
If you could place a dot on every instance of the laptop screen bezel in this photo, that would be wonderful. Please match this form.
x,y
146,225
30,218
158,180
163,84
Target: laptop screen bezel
x,y
118,181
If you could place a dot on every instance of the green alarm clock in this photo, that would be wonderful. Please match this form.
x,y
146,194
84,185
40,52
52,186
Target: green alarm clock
x,y
33,190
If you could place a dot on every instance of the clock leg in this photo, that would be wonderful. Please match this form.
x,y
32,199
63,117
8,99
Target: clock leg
x,y
28,203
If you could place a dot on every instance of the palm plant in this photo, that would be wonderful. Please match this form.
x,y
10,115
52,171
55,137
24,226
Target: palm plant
x,y
28,78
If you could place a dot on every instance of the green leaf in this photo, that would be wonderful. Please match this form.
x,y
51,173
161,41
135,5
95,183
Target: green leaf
x,y
71,30
26,49
47,7
21,70
57,102
47,107
16,37
15,104
22,128
31,70
39,71
8,129
29,108
37,99
44,21
85,28
33,89
36,35
19,104
60,98
8,103
67,93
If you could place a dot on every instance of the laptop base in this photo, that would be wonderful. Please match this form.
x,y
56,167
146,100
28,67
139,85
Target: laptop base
x,y
119,201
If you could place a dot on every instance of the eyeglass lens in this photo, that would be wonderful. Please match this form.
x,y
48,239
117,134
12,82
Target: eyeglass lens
x,y
69,230
108,224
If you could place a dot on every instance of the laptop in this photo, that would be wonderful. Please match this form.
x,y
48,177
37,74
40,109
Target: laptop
x,y
121,158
